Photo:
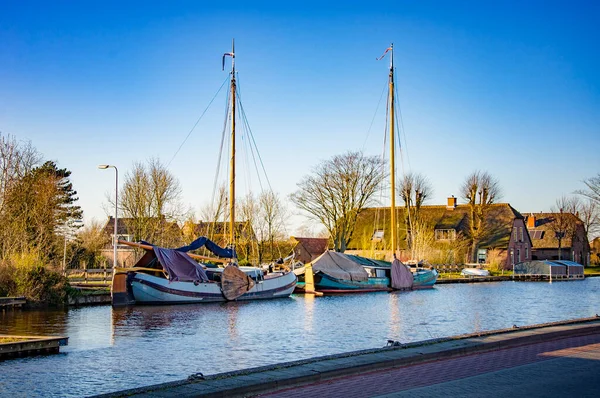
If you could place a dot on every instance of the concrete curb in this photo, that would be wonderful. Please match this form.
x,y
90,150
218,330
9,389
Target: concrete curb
x,y
266,378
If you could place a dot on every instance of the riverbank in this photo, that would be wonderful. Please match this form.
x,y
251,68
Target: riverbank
x,y
298,373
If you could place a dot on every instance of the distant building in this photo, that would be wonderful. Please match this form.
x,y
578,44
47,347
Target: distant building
x,y
506,238
154,231
218,231
307,249
547,229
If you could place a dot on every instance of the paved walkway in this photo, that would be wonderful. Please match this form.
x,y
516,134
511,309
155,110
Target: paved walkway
x,y
559,368
560,359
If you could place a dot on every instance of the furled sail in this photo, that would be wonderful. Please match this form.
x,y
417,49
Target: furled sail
x,y
211,246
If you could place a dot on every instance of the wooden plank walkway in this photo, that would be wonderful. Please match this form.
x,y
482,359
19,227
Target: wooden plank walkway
x,y
11,302
18,346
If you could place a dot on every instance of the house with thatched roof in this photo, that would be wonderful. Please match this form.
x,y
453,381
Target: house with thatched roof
x,y
441,234
558,236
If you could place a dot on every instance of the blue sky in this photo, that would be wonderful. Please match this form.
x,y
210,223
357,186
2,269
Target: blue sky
x,y
512,88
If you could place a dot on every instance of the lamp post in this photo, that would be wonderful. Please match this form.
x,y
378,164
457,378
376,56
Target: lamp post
x,y
106,166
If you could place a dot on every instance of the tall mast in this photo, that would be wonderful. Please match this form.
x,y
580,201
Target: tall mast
x,y
392,155
232,158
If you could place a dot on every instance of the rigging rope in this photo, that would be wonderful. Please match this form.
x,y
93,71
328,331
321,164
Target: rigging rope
x,y
197,121
374,116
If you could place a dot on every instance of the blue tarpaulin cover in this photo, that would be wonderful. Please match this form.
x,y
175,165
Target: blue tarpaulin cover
x,y
210,245
181,267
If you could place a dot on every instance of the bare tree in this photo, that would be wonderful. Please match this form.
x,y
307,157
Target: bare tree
x,y
150,203
91,239
593,191
589,213
248,210
16,160
563,220
273,213
480,190
414,191
590,209
338,190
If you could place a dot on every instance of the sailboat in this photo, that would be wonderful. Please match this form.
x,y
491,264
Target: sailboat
x,y
421,277
334,272
173,276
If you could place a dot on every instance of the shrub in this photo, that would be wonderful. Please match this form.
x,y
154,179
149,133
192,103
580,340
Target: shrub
x,y
494,259
26,275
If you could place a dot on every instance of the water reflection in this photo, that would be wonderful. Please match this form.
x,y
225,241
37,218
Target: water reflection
x,y
309,307
112,349
395,319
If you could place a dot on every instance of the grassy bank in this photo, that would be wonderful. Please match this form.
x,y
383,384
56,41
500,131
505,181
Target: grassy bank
x,y
595,269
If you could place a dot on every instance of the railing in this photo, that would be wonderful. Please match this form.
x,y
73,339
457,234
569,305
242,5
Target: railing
x,y
92,275
450,268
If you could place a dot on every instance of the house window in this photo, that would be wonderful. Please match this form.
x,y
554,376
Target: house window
x,y
481,256
518,258
520,234
526,253
445,234
512,257
127,238
514,234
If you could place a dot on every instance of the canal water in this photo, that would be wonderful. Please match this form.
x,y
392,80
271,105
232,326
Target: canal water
x,y
114,349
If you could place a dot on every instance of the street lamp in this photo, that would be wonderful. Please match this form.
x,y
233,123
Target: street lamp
x,y
106,166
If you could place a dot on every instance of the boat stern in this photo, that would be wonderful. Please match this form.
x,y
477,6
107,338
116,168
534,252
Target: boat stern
x,y
121,293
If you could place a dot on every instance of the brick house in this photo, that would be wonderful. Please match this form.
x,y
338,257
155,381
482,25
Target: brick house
x,y
545,230
158,232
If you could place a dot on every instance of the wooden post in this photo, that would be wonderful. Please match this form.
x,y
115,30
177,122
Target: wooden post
x,y
85,275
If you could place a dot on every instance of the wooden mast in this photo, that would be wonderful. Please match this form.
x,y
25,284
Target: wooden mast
x,y
392,156
232,158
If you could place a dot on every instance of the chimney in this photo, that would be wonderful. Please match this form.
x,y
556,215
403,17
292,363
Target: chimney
x,y
531,221
451,203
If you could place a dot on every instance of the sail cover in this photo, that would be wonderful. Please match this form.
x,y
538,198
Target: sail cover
x,y
402,278
180,266
339,266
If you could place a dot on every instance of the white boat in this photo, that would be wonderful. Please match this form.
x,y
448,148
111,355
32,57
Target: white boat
x,y
475,272
149,289
172,276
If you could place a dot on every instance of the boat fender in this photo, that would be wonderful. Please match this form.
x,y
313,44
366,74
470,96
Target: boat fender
x,y
393,343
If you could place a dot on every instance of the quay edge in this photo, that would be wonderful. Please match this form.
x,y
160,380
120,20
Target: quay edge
x,y
263,379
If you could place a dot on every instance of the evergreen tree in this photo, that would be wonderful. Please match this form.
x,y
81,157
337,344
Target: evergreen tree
x,y
38,209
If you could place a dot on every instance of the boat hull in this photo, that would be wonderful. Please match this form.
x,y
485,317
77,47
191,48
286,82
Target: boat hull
x,y
149,289
328,284
424,279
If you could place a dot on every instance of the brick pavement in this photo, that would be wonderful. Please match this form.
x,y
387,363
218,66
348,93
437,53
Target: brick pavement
x,y
412,377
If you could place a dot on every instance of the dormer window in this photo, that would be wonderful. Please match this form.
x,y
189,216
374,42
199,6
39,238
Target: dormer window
x,y
377,236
